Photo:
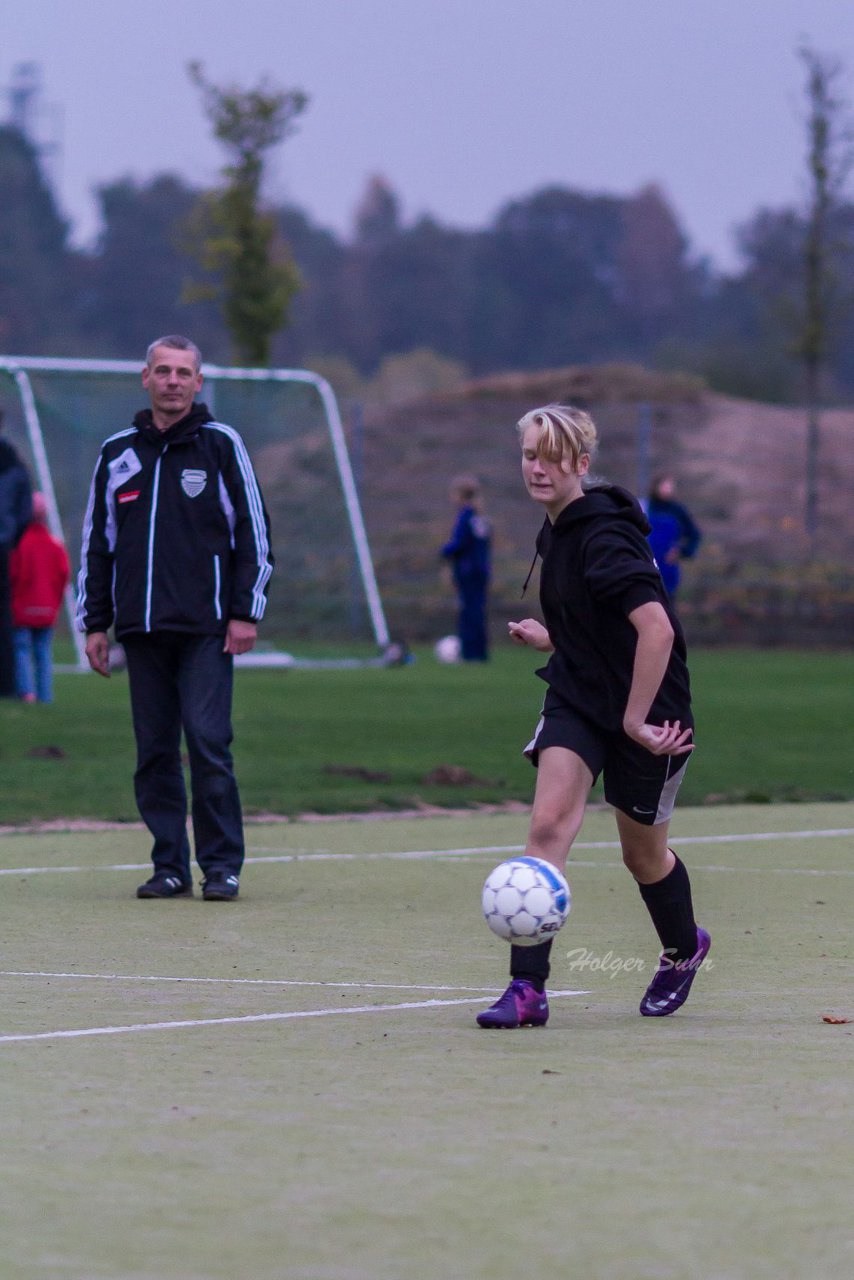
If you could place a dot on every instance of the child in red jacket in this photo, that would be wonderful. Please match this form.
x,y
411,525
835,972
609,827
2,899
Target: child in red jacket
x,y
39,573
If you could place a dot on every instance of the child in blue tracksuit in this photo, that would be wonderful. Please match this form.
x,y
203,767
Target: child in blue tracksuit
x,y
468,552
674,536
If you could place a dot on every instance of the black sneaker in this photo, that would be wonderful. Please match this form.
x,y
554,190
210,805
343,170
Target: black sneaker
x,y
220,888
165,886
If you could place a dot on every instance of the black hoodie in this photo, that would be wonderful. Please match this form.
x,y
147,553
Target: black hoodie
x,y
597,568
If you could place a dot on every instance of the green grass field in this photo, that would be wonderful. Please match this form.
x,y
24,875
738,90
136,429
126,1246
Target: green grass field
x,y
770,727
291,1087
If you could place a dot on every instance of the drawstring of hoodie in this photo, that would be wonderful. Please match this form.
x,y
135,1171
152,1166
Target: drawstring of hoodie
x,y
528,579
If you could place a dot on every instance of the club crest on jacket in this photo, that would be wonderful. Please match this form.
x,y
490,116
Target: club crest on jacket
x,y
193,482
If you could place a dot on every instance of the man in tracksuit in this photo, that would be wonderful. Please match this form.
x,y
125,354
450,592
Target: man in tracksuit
x,y
176,554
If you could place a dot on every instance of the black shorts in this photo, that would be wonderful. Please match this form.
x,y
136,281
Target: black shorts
x,y
639,784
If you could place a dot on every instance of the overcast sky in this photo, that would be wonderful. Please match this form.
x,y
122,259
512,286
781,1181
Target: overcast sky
x,y
459,104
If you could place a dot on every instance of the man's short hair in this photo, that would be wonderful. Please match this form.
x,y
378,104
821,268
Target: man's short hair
x,y
178,343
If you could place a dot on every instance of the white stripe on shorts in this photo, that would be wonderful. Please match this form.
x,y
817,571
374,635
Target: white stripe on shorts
x,y
667,799
532,745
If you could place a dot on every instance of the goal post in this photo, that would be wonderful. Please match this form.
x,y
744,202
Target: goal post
x,y
324,589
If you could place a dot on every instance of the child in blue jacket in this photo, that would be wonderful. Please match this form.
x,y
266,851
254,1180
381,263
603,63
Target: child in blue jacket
x,y
468,551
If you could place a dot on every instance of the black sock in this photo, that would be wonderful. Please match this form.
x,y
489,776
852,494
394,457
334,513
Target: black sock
x,y
532,963
668,901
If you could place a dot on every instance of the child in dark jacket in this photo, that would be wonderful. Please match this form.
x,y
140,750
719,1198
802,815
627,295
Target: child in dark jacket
x,y
39,573
618,703
673,536
468,551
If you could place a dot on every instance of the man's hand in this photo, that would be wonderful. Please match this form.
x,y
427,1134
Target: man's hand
x,y
98,652
240,636
531,633
661,740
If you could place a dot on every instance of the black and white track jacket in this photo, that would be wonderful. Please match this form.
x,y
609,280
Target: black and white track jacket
x,y
176,536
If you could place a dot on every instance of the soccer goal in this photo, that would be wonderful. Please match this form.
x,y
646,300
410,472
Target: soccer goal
x,y
324,590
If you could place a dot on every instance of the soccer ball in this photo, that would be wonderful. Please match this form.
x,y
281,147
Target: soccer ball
x,y
525,901
448,649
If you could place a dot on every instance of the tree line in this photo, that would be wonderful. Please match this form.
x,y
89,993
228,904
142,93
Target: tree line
x,y
559,276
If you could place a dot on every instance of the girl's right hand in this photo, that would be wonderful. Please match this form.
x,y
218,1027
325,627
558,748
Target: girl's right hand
x,y
531,633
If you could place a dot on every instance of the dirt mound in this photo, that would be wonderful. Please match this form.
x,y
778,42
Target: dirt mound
x,y
741,469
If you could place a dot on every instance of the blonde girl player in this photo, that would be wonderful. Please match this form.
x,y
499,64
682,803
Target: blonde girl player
x,y
618,703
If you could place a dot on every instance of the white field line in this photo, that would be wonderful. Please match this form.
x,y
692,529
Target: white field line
x,y
829,833
475,851
248,982
255,1017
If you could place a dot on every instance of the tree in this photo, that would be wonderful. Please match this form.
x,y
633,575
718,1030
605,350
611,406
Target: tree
x,y
377,218
36,267
253,273
317,322
143,241
412,291
829,162
752,320
546,271
655,281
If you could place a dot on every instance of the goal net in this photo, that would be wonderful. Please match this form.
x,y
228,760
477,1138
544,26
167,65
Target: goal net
x,y
324,591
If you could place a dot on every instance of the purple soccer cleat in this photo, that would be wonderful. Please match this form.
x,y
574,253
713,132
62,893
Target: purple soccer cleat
x,y
669,988
522,1005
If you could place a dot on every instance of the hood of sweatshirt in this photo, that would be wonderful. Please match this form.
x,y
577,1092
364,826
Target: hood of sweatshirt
x,y
608,500
604,500
187,428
